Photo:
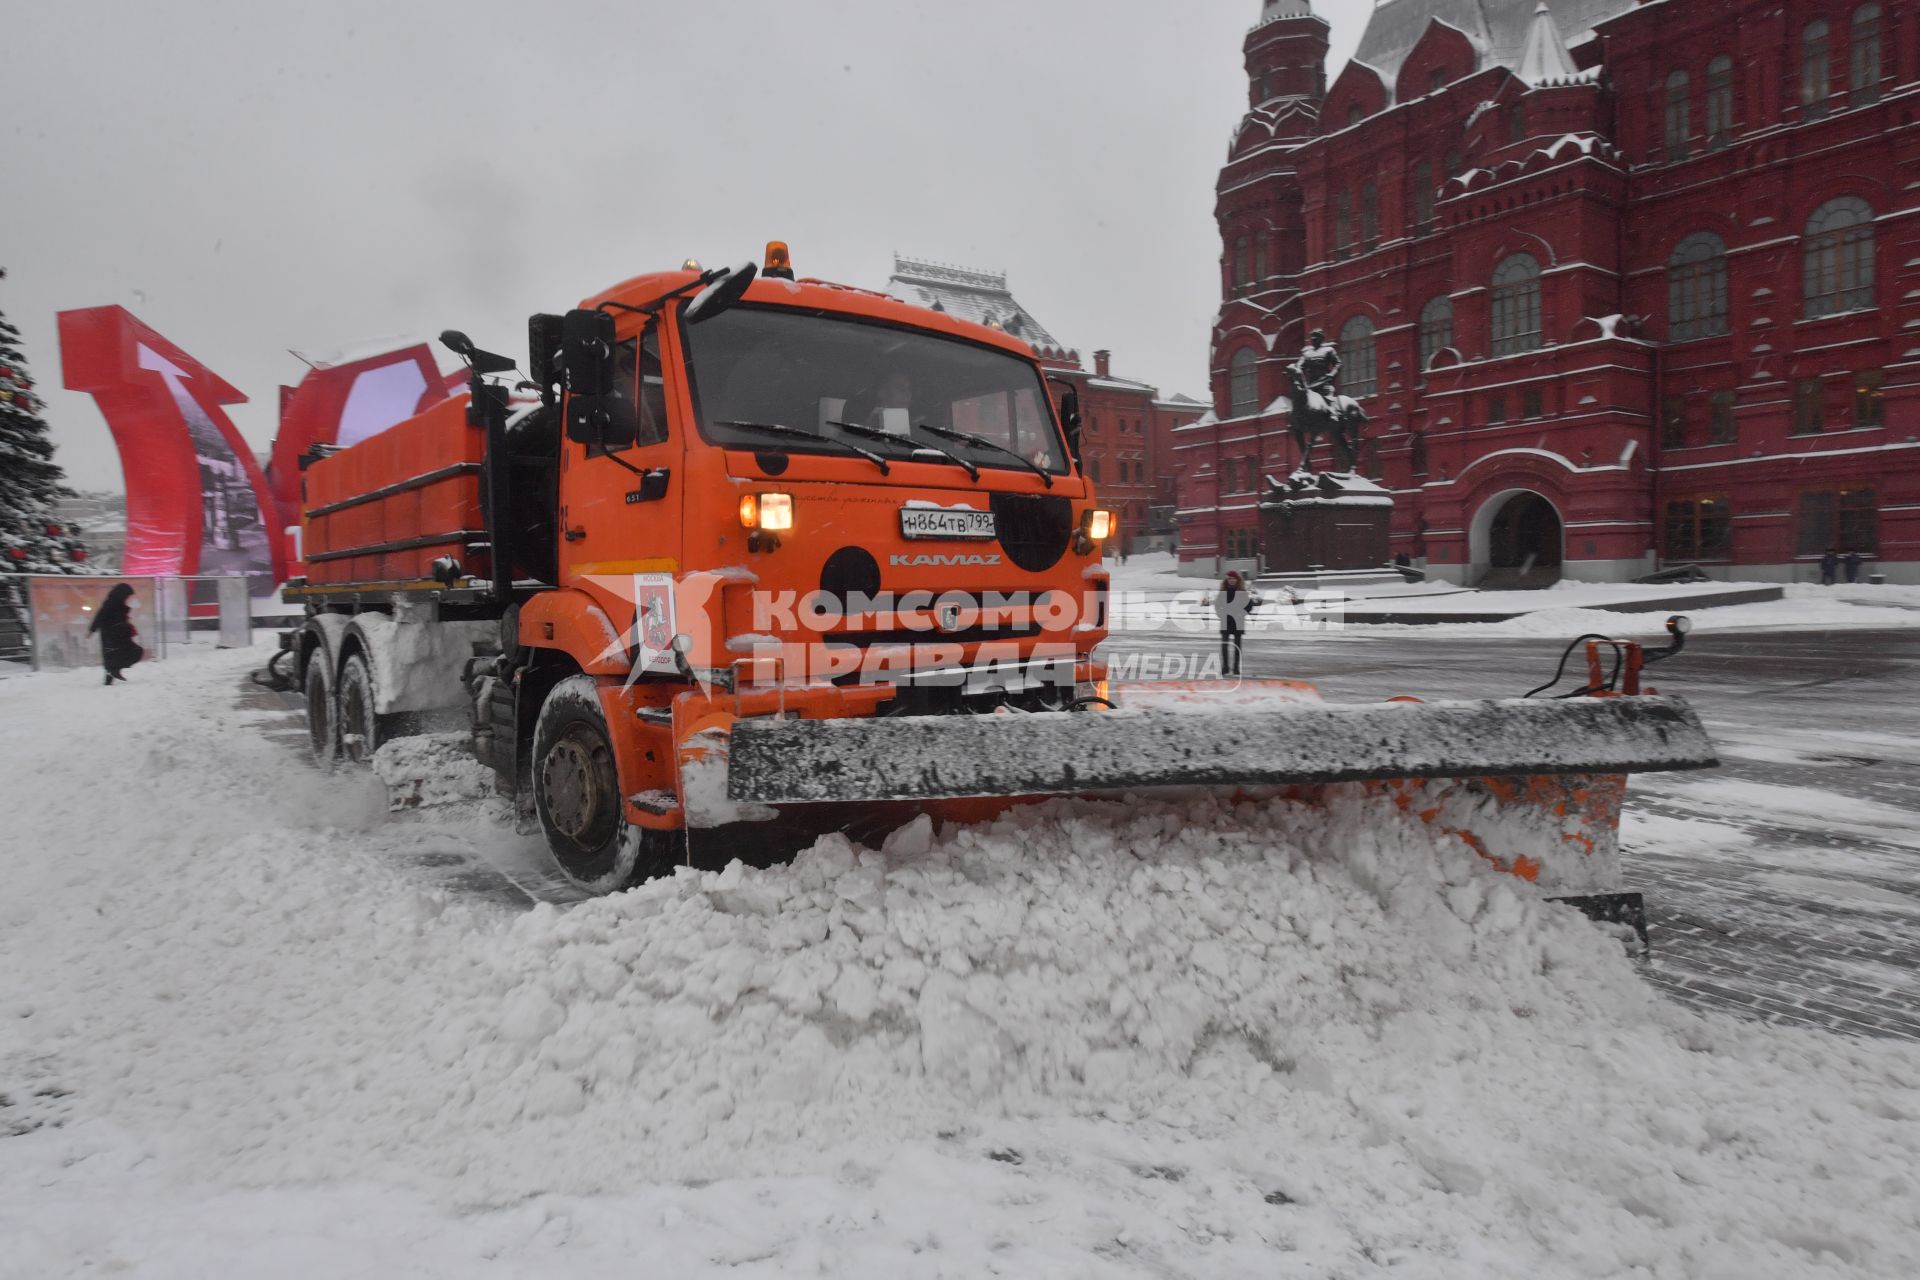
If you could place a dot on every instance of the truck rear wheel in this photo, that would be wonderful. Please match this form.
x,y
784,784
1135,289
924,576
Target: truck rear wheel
x,y
323,726
359,728
576,792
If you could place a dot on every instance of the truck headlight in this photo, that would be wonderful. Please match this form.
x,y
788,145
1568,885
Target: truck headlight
x,y
772,512
1098,524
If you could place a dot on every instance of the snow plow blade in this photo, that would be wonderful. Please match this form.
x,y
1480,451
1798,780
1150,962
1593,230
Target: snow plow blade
x,y
948,757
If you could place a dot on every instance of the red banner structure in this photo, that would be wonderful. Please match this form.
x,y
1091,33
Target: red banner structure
x,y
197,502
343,404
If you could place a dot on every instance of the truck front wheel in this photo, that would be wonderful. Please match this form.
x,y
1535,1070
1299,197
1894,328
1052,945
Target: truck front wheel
x,y
576,792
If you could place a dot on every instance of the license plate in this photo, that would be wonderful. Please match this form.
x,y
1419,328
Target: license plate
x,y
939,522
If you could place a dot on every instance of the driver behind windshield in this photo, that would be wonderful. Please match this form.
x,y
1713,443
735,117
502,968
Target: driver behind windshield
x,y
892,401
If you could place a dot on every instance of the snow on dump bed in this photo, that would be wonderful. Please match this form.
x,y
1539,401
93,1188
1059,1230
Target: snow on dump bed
x,y
1154,1038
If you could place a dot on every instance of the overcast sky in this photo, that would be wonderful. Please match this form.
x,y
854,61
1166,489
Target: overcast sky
x,y
250,178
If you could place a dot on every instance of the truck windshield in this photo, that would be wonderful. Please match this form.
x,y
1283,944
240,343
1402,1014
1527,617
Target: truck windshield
x,y
808,371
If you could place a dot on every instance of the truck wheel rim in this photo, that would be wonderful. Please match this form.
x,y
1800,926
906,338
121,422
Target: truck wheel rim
x,y
577,779
356,723
319,718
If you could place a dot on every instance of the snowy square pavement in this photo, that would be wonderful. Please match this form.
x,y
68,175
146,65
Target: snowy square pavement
x,y
246,1029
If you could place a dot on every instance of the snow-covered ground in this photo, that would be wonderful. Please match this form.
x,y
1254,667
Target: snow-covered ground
x,y
242,1033
1565,610
1804,607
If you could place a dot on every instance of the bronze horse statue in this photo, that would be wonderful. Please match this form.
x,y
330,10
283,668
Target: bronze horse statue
x,y
1342,423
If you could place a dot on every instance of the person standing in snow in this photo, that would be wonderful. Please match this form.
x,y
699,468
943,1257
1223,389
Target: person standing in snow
x,y
114,624
1232,602
1829,567
1852,562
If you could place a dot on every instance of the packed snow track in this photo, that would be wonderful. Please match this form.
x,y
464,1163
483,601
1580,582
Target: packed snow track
x,y
238,1035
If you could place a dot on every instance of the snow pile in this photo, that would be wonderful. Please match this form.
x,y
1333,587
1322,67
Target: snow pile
x,y
1075,959
1157,1036
433,768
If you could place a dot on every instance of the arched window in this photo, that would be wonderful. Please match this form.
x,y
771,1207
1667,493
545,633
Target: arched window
x,y
1242,265
1865,58
1719,102
1436,328
1243,384
1517,121
1516,305
1417,453
1815,69
1838,257
1369,214
1259,260
1423,197
1342,225
1697,288
1357,377
1354,115
1679,115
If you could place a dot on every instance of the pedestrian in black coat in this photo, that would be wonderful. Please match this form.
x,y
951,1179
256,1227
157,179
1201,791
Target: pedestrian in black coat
x,y
1852,561
1231,602
114,623
1829,567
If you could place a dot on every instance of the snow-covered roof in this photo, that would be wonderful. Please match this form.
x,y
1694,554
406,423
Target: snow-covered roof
x,y
1498,28
1544,58
979,296
1274,10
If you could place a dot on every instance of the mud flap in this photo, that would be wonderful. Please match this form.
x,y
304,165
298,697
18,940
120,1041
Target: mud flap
x,y
940,757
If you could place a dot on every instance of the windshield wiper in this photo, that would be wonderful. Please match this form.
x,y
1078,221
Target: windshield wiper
x,y
781,429
877,433
982,442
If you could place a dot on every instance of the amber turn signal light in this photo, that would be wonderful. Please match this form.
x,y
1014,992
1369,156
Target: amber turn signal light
x,y
772,512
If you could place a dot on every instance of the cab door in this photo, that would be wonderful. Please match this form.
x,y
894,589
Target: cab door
x,y
620,509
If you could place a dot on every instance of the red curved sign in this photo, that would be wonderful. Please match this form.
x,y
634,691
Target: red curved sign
x,y
196,499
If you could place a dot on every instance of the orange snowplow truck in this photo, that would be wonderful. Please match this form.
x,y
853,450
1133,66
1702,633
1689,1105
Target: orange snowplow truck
x,y
744,553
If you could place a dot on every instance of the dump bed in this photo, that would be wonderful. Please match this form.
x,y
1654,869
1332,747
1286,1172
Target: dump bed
x,y
384,510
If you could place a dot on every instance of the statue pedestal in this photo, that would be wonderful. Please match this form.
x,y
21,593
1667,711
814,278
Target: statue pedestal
x,y
1330,521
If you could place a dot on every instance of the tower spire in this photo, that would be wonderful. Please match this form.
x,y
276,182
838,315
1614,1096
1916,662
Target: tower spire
x,y
1544,58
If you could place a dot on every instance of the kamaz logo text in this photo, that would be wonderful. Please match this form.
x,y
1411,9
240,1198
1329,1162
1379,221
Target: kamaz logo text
x,y
934,561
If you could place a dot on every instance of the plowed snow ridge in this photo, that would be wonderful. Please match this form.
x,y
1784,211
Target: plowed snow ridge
x,y
221,961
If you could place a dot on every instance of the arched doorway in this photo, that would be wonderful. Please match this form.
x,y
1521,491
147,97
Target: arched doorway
x,y
1516,541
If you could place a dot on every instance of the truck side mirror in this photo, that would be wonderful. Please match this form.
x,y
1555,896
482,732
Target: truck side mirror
x,y
721,292
604,422
586,369
1070,419
586,352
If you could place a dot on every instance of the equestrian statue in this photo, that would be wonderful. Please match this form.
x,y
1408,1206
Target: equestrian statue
x,y
1318,409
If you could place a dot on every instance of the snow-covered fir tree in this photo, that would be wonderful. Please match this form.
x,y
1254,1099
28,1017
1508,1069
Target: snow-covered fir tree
x,y
33,537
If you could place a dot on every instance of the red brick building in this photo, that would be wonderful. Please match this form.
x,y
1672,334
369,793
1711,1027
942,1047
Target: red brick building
x,y
1127,428
1620,285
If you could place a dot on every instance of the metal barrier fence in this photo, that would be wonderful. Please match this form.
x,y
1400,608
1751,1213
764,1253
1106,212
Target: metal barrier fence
x,y
44,619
